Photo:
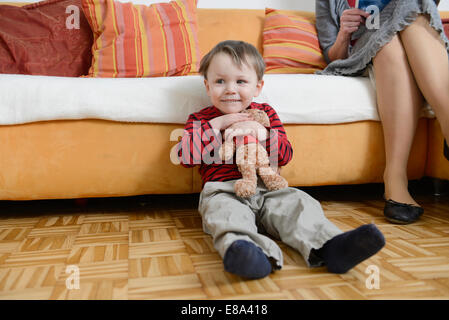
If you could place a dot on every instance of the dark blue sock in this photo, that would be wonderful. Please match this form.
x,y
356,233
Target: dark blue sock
x,y
345,251
245,259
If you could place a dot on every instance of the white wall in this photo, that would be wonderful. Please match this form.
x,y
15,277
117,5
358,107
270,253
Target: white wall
x,y
444,5
306,5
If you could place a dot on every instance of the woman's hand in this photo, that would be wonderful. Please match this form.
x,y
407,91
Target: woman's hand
x,y
246,128
350,21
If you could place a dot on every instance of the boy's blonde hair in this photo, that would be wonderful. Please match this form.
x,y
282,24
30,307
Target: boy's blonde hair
x,y
240,52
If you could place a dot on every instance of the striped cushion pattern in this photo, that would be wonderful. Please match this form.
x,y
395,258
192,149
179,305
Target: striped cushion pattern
x,y
133,40
290,43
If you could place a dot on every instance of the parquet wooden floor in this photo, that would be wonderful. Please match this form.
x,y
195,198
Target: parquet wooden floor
x,y
153,247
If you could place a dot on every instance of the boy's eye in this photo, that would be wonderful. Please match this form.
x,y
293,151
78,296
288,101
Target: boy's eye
x,y
220,81
241,81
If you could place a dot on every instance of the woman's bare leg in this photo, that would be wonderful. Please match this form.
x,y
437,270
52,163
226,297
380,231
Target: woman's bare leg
x,y
428,60
399,101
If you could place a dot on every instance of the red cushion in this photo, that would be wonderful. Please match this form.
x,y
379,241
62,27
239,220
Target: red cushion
x,y
34,39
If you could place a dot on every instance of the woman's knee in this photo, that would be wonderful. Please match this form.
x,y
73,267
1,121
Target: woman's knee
x,y
390,55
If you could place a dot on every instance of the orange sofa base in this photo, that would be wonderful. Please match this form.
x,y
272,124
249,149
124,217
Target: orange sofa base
x,y
96,158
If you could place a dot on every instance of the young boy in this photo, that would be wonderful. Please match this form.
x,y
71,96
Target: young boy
x,y
233,73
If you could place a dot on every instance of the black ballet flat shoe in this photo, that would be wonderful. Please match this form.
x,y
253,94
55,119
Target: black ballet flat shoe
x,y
446,150
401,213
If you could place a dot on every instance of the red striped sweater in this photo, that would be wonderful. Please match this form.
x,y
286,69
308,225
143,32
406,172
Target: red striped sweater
x,y
199,145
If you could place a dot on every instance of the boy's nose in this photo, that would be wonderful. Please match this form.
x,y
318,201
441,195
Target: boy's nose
x,y
230,88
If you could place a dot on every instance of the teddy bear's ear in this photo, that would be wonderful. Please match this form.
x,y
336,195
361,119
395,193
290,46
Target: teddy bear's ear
x,y
255,113
263,118
267,121
259,116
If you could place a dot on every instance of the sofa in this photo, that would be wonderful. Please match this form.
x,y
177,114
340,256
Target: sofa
x,y
96,154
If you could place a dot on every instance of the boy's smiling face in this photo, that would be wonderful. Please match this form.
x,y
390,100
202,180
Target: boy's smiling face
x,y
230,87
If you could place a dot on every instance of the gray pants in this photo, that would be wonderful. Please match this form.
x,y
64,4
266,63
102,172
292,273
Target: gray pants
x,y
289,215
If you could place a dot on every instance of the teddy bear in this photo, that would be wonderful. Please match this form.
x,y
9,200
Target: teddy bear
x,y
251,158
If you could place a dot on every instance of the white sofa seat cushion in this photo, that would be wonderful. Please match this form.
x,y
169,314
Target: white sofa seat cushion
x,y
298,98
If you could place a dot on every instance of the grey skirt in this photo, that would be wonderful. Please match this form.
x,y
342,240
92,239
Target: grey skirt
x,y
396,16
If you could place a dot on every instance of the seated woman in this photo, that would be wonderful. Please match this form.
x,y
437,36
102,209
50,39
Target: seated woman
x,y
407,55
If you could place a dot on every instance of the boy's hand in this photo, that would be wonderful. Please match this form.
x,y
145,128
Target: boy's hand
x,y
226,120
246,128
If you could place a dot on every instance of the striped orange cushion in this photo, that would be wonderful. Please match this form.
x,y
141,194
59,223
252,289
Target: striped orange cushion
x,y
143,41
290,43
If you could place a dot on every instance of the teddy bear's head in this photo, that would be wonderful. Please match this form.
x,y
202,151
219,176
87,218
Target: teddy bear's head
x,y
259,116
